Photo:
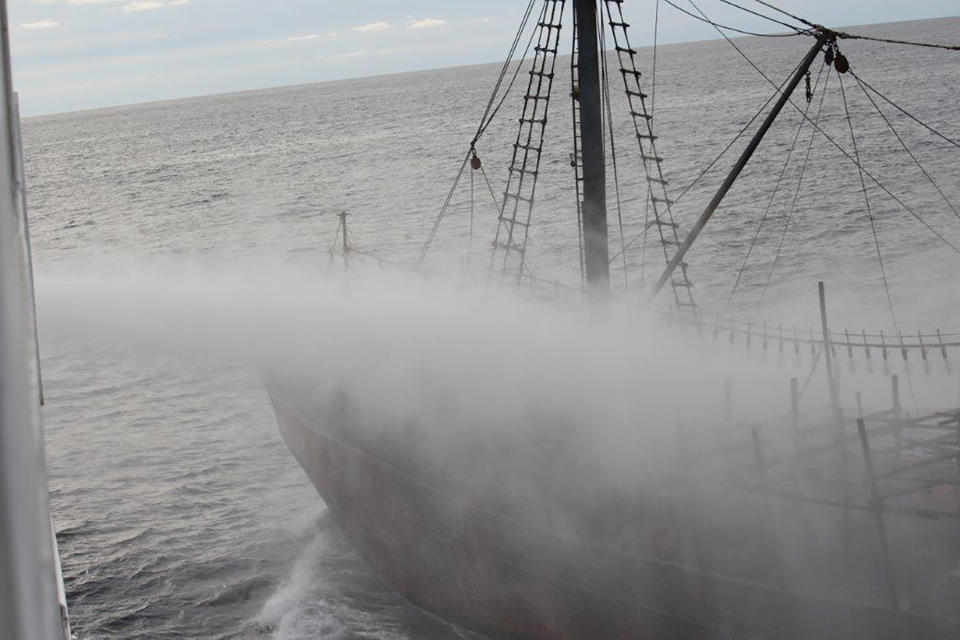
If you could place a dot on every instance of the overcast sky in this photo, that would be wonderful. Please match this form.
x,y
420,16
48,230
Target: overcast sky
x,y
81,54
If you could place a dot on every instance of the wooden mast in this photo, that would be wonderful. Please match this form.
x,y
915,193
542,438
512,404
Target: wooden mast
x,y
595,247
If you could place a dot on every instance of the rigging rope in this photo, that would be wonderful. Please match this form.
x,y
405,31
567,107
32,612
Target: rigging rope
x,y
904,111
493,196
773,196
489,115
834,142
796,195
605,81
707,169
866,200
576,157
443,209
734,29
643,234
884,188
907,149
873,228
766,17
473,170
855,36
929,45
789,15
653,104
656,33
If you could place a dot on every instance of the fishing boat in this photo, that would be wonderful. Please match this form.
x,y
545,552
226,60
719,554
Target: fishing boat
x,y
828,523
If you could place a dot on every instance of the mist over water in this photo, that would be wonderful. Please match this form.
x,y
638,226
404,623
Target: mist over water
x,y
433,353
182,255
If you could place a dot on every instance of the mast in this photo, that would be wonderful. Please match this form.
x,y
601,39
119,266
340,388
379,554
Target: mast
x,y
346,242
595,248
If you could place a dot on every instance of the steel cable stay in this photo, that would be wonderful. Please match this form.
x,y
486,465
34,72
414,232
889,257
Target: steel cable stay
x,y
773,196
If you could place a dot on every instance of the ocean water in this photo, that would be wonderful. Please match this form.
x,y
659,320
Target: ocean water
x,y
179,511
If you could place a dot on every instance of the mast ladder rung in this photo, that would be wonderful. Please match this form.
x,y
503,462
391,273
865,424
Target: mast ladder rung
x,y
629,50
525,147
512,222
517,196
540,49
523,170
663,223
685,284
540,121
670,242
530,96
666,201
549,25
647,158
638,94
506,246
542,74
624,25
638,114
633,72
647,136
657,181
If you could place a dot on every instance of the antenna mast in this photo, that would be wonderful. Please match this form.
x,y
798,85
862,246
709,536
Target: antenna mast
x,y
595,245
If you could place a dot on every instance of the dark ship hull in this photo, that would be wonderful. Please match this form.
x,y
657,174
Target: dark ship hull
x,y
471,558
